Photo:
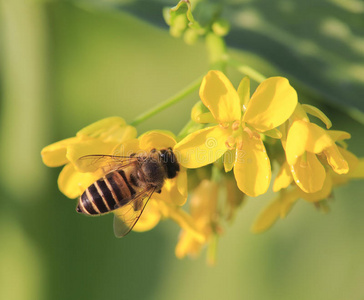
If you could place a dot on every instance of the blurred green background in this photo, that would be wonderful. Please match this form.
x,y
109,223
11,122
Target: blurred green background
x,y
66,64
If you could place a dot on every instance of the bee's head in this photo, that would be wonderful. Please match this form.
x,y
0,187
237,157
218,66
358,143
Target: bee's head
x,y
169,162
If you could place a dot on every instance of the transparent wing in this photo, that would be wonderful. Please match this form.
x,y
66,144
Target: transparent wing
x,y
107,163
126,216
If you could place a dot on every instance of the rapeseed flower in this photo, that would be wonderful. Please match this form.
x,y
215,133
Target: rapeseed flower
x,y
208,212
113,137
174,192
240,120
309,148
288,194
203,210
101,137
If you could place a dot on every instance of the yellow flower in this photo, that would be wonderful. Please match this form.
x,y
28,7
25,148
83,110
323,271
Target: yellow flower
x,y
283,203
174,192
101,137
237,135
305,144
203,210
112,136
206,211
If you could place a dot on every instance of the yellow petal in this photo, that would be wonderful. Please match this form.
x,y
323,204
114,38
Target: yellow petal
x,y
336,160
252,167
101,126
304,136
202,147
73,183
321,194
284,130
109,129
299,114
128,148
318,138
296,141
124,134
356,168
244,92
90,147
170,192
201,114
156,139
54,155
183,219
149,218
272,104
229,160
351,159
283,179
338,135
182,185
309,174
187,245
220,97
279,207
288,199
203,202
267,217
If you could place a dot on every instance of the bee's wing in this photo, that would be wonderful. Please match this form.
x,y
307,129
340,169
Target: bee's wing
x,y
126,216
108,163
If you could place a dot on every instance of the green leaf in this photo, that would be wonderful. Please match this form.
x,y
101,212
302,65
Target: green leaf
x,y
323,55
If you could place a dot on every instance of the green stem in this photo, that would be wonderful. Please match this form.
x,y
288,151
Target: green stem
x,y
216,50
245,70
167,103
212,250
185,130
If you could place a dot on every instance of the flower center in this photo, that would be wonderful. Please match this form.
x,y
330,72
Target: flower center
x,y
230,142
235,126
251,133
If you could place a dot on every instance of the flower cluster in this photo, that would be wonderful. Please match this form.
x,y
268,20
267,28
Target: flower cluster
x,y
228,156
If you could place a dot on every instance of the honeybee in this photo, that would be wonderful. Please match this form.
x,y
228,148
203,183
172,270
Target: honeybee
x,y
127,186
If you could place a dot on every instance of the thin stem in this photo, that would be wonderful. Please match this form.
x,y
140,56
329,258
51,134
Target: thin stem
x,y
212,250
216,50
246,70
167,103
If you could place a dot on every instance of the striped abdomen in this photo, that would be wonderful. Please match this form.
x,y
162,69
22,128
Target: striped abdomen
x,y
106,194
